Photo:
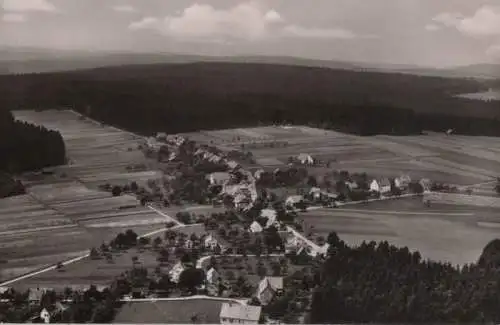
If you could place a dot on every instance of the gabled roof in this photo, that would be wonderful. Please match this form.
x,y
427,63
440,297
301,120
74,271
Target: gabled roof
x,y
315,190
271,216
304,157
36,294
294,199
255,227
211,274
384,182
238,311
273,282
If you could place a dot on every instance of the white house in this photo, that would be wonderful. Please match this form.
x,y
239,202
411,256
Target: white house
x,y
402,181
232,313
176,271
162,136
219,178
268,288
305,159
352,185
315,192
35,295
293,200
45,316
426,184
232,164
188,243
384,186
212,276
258,173
374,187
271,216
210,242
255,227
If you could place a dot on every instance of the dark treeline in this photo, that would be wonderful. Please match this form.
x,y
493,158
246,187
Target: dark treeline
x,y
188,97
25,147
381,283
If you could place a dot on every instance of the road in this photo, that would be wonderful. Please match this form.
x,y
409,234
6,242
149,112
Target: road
x,y
167,217
449,214
196,297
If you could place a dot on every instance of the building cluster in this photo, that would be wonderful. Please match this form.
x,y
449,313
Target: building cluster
x,y
238,313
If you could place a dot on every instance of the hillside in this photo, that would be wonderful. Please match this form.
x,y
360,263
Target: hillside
x,y
185,97
35,60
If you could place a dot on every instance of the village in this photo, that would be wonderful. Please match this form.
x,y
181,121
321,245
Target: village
x,y
246,248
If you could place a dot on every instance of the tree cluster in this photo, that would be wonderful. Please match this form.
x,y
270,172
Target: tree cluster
x,y
383,283
190,97
25,147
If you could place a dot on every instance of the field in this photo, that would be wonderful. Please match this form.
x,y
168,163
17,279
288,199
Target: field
x,y
441,232
449,159
170,312
88,272
64,214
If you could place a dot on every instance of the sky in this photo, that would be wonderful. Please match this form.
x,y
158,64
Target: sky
x,y
418,32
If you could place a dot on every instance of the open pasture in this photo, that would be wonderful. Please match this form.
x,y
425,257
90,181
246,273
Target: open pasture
x,y
439,232
97,153
170,312
88,272
449,159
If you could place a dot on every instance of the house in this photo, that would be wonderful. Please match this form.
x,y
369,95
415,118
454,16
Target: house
x,y
374,187
231,313
402,181
35,295
352,185
305,159
232,164
176,271
212,276
292,243
45,316
269,288
271,216
162,136
384,186
259,173
315,192
291,201
210,242
255,227
188,244
426,184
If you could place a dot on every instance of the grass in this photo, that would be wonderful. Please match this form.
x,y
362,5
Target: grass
x,y
170,312
440,232
98,272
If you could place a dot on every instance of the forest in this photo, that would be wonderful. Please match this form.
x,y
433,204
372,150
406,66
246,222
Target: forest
x,y
377,282
187,97
25,147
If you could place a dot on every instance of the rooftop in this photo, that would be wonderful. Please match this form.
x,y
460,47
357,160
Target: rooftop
x,y
237,311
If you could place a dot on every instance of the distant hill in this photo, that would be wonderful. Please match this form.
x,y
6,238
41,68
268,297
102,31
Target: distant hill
x,y
480,70
34,60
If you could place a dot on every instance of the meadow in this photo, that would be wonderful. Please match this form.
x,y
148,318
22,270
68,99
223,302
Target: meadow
x,y
456,234
63,213
449,159
99,272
